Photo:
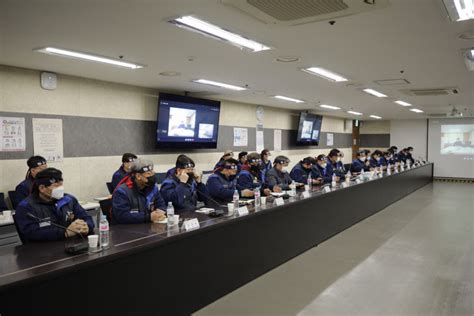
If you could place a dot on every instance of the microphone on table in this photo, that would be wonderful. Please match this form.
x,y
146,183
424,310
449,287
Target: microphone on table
x,y
71,249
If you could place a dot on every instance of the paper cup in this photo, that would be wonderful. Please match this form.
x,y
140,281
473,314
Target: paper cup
x,y
93,240
263,200
230,208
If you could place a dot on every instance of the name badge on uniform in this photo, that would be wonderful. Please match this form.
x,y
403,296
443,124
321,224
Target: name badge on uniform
x,y
191,224
44,224
241,211
134,211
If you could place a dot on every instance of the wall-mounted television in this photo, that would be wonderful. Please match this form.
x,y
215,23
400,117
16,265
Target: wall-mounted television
x,y
186,122
309,129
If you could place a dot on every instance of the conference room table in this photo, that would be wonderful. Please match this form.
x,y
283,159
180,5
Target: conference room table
x,y
152,269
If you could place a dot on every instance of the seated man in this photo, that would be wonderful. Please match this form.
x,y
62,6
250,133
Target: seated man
x,y
170,172
124,169
360,163
222,184
22,190
302,170
137,199
277,179
228,154
335,165
319,170
251,175
375,161
387,159
48,201
242,157
184,188
266,162
409,155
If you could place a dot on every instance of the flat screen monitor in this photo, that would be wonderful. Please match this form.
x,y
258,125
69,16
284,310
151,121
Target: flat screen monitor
x,y
309,129
186,122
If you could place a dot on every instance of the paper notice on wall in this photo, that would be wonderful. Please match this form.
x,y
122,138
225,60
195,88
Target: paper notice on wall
x,y
277,140
329,139
48,138
12,133
260,145
240,137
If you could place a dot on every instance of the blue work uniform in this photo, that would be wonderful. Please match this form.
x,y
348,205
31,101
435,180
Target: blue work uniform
x,y
118,176
375,164
300,174
184,196
275,177
336,168
221,188
131,205
358,165
319,172
249,179
62,212
22,190
266,166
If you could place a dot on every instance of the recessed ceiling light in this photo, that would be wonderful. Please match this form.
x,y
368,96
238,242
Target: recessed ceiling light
x,y
416,110
329,107
287,59
87,56
375,93
217,32
460,10
219,84
325,74
170,73
376,117
281,97
403,103
354,112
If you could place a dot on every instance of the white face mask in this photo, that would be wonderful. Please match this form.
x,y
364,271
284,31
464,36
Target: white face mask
x,y
324,165
58,193
338,159
363,158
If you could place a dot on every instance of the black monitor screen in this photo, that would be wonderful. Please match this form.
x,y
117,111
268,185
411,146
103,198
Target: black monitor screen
x,y
187,122
309,129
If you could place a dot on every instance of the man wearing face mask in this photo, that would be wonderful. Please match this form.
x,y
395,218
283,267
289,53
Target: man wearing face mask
x,y
172,171
375,160
251,175
124,169
394,151
22,190
302,170
278,179
223,182
266,162
184,188
335,165
409,155
228,154
387,159
319,170
137,198
360,163
48,201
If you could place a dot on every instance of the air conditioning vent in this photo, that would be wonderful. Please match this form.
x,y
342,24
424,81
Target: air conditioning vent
x,y
295,12
430,92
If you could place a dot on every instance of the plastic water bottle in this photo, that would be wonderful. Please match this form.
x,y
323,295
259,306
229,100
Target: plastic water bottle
x,y
389,171
104,232
348,177
170,214
293,188
256,194
235,200
309,182
333,183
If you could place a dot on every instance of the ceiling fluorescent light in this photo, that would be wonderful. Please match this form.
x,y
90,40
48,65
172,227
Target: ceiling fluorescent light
x,y
403,103
354,112
416,110
215,31
288,99
376,117
325,74
219,84
329,107
375,93
87,56
460,10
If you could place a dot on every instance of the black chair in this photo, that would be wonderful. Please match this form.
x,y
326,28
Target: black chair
x,y
110,187
14,199
106,208
347,166
20,235
3,205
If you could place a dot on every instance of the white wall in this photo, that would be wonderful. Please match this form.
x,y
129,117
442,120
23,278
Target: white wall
x,y
404,133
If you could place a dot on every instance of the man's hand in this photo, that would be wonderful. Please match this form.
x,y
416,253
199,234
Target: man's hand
x,y
338,178
247,193
276,188
77,227
318,181
157,215
197,176
267,192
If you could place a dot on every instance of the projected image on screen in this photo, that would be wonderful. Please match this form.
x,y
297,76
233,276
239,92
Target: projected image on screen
x,y
457,139
307,129
206,130
315,134
181,122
